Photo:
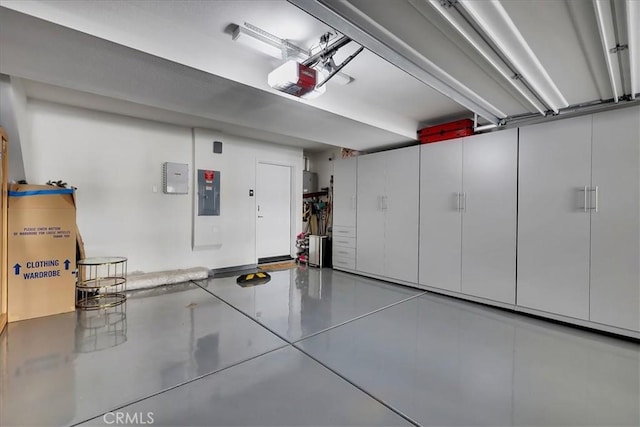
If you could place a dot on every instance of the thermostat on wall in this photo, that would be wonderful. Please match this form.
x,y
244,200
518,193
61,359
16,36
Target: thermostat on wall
x,y
175,178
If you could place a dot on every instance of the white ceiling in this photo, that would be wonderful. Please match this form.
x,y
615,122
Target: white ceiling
x,y
175,61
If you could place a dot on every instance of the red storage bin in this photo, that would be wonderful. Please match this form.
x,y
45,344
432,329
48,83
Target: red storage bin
x,y
446,131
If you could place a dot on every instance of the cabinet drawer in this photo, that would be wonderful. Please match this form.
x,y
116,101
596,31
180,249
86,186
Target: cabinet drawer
x,y
342,231
344,242
343,252
339,261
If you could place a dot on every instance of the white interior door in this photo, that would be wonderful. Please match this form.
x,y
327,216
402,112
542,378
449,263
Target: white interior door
x,y
273,205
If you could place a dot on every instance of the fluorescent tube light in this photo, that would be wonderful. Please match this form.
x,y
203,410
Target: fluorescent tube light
x,y
487,53
348,20
633,22
257,42
262,41
493,19
604,16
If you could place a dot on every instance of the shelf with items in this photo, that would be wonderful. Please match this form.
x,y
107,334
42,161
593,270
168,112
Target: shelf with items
x,y
317,213
302,245
323,193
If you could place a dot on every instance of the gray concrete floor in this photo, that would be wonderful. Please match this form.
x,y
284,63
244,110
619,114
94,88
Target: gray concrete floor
x,y
312,347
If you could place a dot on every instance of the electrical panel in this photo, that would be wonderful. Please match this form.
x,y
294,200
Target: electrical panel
x,y
208,192
175,178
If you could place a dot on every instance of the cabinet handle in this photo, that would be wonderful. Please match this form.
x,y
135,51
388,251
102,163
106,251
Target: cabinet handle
x,y
596,208
384,203
458,201
586,190
464,201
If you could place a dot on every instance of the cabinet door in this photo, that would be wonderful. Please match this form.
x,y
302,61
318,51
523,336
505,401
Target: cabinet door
x,y
489,182
370,216
440,217
401,213
553,224
344,192
615,235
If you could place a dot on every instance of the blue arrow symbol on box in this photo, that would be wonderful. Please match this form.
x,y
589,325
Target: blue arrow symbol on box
x,y
16,269
66,264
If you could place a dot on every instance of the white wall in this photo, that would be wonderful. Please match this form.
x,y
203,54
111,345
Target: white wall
x,y
236,225
116,163
322,164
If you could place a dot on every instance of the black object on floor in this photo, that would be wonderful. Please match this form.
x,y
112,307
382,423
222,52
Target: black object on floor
x,y
253,279
274,259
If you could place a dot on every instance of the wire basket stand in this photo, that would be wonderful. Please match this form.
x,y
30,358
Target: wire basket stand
x,y
102,283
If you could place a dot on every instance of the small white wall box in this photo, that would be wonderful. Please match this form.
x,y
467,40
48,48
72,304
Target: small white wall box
x,y
175,178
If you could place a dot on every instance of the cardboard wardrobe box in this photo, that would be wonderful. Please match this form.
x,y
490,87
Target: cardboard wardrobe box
x,y
41,251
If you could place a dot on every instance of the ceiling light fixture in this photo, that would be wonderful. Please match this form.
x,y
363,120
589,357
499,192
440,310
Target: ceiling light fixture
x,y
605,18
494,21
257,42
265,42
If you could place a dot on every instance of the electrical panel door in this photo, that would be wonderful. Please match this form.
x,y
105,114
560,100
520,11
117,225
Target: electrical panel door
x,y
208,193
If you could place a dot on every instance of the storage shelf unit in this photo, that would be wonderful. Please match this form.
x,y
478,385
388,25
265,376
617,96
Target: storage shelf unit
x,y
316,194
387,214
468,190
344,213
564,196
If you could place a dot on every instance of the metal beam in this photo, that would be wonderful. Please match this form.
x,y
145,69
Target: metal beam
x,y
390,48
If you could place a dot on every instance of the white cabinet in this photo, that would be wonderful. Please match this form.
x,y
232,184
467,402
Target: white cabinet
x,y
440,214
401,204
387,214
579,218
344,192
553,217
615,224
344,213
468,190
370,217
489,210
